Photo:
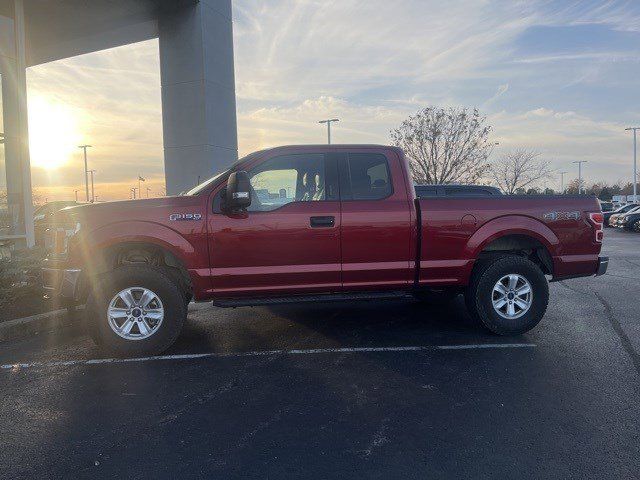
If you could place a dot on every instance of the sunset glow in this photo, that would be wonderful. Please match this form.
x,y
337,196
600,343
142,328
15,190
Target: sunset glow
x,y
53,133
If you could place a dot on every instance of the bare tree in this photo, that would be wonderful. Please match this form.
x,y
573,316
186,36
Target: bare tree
x,y
519,170
573,187
445,145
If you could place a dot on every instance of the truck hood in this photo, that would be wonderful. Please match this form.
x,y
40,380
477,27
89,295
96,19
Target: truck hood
x,y
152,209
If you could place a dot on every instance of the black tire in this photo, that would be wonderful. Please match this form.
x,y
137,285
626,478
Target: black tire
x,y
154,279
479,294
636,226
441,296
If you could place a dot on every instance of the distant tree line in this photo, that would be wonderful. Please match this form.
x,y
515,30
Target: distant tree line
x,y
603,190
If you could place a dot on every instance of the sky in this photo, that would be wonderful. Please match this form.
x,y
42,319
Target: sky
x,y
557,76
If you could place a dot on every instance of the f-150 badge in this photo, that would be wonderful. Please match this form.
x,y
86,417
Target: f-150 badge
x,y
553,216
185,216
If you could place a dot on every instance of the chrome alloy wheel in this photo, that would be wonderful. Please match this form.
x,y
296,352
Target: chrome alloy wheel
x,y
135,313
512,296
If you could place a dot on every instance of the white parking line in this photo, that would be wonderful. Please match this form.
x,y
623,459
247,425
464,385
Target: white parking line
x,y
313,351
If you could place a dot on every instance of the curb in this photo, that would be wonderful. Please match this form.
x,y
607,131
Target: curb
x,y
43,322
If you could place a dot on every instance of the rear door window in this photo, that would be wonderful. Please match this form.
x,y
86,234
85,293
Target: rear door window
x,y
365,176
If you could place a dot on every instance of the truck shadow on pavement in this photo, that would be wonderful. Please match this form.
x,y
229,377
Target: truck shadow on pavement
x,y
332,325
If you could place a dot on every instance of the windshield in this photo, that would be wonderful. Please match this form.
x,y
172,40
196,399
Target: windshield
x,y
199,188
626,208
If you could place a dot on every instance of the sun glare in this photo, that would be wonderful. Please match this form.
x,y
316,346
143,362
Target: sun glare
x,y
53,133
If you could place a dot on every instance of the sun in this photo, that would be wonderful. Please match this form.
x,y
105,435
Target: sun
x,y
53,133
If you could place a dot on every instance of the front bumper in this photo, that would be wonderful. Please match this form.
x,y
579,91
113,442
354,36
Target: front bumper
x,y
61,282
603,263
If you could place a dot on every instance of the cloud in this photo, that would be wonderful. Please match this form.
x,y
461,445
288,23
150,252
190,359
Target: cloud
x,y
599,56
298,123
563,137
502,89
303,49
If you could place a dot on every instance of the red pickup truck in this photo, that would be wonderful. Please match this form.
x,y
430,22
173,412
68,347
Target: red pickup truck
x,y
315,223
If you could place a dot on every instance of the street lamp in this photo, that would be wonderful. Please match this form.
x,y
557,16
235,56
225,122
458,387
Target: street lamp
x,y
329,122
562,174
86,170
93,193
635,167
140,179
580,162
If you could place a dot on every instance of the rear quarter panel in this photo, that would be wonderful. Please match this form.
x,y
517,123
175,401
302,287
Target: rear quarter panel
x,y
455,230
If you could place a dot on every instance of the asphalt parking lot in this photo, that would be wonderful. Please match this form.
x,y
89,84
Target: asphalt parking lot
x,y
364,390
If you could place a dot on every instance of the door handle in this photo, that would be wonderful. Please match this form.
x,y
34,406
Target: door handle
x,y
322,222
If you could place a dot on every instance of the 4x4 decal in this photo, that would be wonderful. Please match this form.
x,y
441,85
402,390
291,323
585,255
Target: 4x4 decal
x,y
185,216
553,216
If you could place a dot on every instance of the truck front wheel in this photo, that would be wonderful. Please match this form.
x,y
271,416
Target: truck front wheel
x,y
508,294
135,311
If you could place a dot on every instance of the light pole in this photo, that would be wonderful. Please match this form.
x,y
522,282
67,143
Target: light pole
x,y
635,165
86,170
140,179
580,162
93,193
148,189
329,122
562,174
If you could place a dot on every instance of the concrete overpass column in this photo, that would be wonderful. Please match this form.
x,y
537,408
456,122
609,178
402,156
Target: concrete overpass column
x,y
16,136
198,92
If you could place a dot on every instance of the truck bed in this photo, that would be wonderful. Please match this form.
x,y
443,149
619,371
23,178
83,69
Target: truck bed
x,y
455,231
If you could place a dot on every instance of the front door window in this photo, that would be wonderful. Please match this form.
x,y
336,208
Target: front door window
x,y
287,179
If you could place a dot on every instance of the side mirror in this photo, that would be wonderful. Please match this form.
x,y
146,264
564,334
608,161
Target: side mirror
x,y
238,192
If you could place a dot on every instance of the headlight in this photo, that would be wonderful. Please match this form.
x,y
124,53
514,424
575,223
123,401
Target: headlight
x,y
57,239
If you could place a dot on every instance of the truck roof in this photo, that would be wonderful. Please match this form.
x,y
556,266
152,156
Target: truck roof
x,y
333,146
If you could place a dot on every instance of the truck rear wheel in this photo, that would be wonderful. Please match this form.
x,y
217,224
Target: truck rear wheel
x,y
136,311
508,295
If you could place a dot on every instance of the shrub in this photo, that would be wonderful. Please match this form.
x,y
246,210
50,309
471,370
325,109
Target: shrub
x,y
20,276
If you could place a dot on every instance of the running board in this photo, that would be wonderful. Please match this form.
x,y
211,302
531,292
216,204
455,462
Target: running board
x,y
328,297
